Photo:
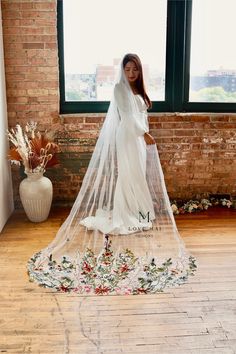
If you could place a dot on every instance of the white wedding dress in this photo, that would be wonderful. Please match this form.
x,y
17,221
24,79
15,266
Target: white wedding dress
x,y
132,200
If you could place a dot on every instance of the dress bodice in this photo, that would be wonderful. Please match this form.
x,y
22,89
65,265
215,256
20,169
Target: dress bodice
x,y
141,104
132,116
142,107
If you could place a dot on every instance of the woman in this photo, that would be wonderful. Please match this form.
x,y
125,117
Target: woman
x,y
132,196
120,236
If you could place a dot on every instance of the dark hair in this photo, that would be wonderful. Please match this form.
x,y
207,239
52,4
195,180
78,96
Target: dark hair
x,y
139,83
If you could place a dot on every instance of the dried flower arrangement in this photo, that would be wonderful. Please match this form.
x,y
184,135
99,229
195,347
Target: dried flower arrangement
x,y
36,151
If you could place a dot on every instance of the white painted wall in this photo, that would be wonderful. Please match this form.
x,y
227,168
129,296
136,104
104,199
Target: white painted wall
x,y
6,195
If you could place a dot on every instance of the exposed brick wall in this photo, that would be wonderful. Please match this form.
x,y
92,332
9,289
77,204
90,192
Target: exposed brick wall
x,y
197,151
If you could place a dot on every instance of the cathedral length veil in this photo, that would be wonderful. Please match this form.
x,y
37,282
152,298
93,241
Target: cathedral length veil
x,y
120,236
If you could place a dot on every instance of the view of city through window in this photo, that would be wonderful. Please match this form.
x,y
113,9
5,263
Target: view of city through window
x,y
213,53
97,34
98,86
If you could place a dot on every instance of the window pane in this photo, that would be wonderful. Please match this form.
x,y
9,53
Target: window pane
x,y
97,34
213,51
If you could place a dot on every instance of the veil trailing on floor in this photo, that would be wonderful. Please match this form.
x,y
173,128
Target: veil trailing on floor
x,y
120,236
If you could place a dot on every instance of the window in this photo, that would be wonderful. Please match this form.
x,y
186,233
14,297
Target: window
x,y
95,41
213,55
179,72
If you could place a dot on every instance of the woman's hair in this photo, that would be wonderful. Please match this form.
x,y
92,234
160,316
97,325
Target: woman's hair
x,y
139,83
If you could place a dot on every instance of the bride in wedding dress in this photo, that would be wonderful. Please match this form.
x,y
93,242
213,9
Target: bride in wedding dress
x,y
132,196
120,236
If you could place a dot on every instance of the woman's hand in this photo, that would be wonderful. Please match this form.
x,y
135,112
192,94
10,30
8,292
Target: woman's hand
x,y
149,139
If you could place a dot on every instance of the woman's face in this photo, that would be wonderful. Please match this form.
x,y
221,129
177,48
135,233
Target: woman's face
x,y
131,72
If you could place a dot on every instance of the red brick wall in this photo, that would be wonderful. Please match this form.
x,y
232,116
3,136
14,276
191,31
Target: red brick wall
x,y
197,151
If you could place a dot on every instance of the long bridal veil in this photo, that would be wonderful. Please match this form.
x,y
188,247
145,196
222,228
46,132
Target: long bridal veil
x,y
120,236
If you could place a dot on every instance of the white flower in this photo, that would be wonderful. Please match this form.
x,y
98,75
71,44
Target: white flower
x,y
66,282
174,207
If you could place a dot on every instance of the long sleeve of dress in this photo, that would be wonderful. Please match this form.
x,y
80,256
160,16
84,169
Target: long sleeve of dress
x,y
138,121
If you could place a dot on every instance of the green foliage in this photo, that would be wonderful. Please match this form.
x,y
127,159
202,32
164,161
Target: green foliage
x,y
213,94
75,96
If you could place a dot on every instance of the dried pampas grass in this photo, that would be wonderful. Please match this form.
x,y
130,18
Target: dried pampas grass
x,y
35,150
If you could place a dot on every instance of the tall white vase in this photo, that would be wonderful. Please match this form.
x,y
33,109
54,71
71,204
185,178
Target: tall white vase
x,y
36,196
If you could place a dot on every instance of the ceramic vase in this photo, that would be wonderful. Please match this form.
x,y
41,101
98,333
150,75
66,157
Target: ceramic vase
x,y
36,196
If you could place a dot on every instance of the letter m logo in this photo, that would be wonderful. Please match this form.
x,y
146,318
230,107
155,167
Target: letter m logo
x,y
143,217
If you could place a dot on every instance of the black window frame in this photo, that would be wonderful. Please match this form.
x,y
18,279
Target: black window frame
x,y
179,16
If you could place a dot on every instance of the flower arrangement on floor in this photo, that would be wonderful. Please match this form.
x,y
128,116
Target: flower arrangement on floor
x,y
192,206
36,151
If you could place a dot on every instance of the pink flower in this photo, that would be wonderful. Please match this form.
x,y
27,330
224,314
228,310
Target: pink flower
x,y
102,290
87,268
124,268
87,288
107,254
64,289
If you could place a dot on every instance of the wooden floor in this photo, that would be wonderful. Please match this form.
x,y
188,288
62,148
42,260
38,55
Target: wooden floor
x,y
199,317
